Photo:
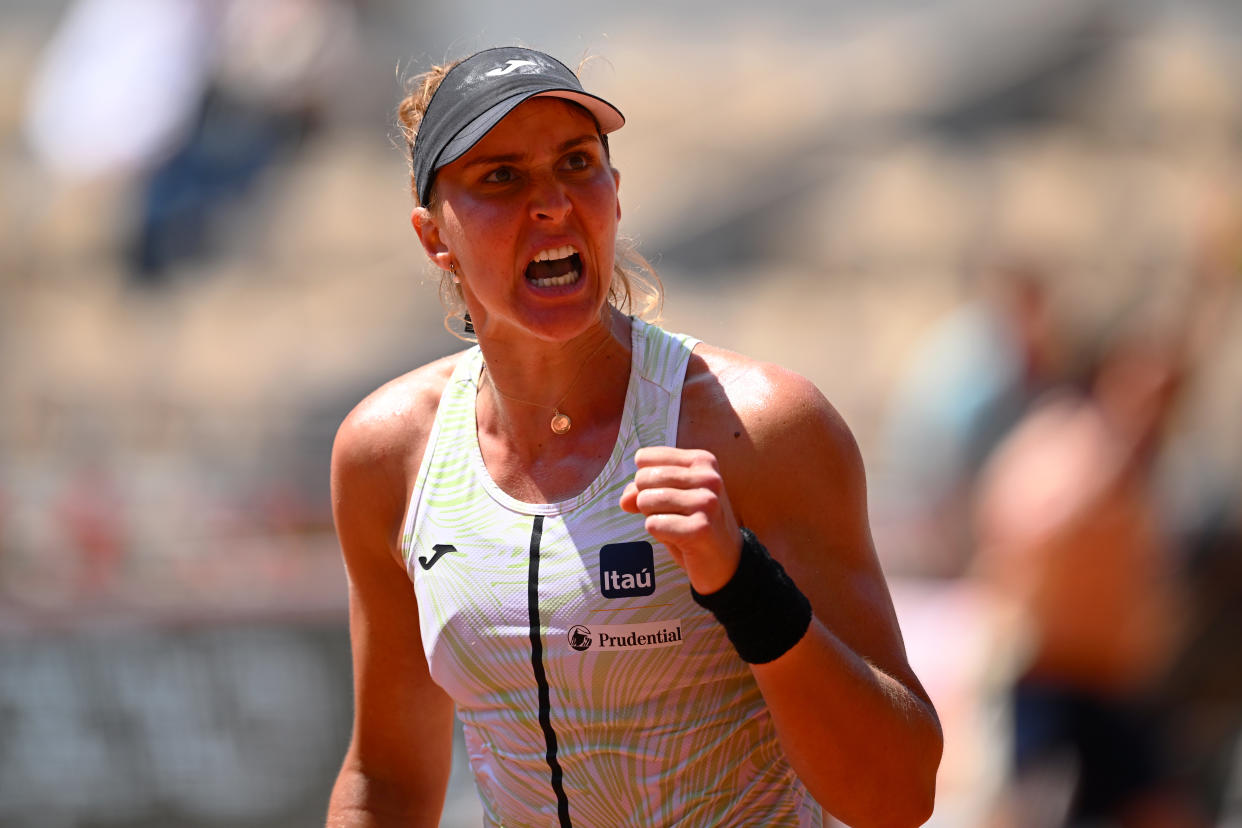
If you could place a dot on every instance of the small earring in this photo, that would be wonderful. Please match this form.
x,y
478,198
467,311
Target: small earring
x,y
453,270
469,325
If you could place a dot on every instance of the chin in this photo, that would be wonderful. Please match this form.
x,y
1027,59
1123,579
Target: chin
x,y
562,325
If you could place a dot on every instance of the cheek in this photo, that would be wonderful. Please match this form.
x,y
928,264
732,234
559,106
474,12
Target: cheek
x,y
606,209
476,233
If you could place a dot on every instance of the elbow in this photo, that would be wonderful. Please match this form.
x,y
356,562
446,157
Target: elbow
x,y
920,782
921,806
906,803
903,801
907,797
908,808
884,779
910,803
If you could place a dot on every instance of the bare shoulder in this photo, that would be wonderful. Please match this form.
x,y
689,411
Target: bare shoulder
x,y
794,475
379,445
397,413
760,414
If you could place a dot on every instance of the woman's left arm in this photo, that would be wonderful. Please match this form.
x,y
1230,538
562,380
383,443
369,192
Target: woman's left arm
x,y
764,449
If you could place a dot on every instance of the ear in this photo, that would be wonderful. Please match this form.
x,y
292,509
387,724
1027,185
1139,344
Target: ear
x,y
428,230
616,180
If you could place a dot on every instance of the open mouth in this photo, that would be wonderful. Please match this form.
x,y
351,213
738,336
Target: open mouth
x,y
555,267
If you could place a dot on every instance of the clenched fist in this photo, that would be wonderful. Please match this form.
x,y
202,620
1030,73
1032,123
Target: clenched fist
x,y
683,496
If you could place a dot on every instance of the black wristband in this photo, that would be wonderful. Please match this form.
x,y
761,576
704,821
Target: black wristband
x,y
761,608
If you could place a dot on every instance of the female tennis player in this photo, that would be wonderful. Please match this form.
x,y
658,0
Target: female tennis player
x,y
637,567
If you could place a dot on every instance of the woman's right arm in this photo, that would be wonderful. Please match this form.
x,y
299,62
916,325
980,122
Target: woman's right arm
x,y
396,769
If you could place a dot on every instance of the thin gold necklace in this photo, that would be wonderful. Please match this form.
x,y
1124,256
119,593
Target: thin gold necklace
x,y
560,422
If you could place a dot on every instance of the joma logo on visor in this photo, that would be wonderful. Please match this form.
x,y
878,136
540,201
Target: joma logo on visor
x,y
626,570
510,65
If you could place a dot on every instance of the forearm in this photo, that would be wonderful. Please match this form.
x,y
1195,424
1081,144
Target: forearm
x,y
866,745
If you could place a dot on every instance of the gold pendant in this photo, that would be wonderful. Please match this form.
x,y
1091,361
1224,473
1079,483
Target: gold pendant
x,y
561,423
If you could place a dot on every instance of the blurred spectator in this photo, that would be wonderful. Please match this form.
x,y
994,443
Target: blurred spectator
x,y
189,99
1070,531
1203,689
262,101
971,377
117,85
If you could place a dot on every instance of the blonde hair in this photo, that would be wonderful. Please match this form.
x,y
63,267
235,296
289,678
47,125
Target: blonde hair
x,y
636,287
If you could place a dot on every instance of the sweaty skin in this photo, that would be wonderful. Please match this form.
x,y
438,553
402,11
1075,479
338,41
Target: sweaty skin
x,y
756,445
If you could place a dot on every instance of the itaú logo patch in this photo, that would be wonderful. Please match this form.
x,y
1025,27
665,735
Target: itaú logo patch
x,y
626,570
648,635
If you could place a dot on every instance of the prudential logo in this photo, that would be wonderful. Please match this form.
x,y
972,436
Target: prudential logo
x,y
626,570
647,635
579,637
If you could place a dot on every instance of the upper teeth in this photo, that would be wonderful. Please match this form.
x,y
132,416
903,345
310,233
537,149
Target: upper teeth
x,y
562,252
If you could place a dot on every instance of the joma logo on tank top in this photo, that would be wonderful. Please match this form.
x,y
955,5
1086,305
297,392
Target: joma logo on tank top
x,y
626,570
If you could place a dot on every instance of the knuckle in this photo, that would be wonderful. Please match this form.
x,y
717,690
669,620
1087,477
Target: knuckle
x,y
699,523
659,525
703,457
712,483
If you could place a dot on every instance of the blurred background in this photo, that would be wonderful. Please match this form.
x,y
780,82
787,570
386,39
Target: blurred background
x,y
1004,238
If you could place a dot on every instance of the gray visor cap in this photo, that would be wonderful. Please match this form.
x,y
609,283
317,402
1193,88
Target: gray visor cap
x,y
479,92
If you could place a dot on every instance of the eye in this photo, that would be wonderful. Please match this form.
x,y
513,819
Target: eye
x,y
577,161
500,175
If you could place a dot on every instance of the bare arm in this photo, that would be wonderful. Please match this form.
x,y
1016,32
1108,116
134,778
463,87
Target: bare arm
x,y
852,717
397,765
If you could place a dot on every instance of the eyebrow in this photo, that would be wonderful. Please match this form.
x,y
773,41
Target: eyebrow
x,y
513,157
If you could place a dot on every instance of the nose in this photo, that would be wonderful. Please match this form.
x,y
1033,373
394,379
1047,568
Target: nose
x,y
548,200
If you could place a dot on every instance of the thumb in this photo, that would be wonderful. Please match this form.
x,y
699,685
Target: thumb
x,y
629,498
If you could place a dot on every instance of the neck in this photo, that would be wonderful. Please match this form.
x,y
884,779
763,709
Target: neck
x,y
585,378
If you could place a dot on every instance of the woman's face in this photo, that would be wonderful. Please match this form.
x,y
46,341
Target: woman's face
x,y
529,218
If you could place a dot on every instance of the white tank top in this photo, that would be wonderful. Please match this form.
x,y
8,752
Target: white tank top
x,y
591,688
